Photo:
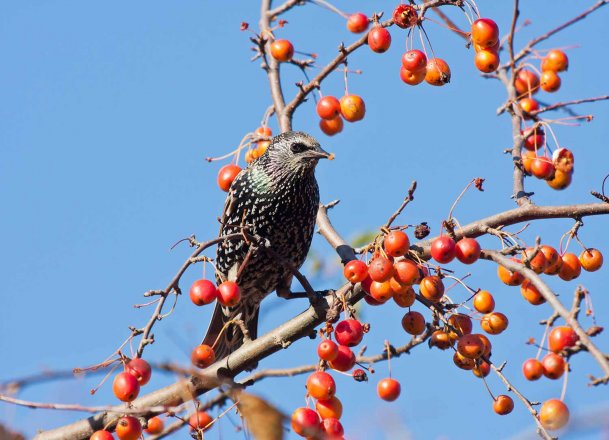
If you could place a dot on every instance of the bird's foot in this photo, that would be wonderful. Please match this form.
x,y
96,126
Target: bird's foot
x,y
312,296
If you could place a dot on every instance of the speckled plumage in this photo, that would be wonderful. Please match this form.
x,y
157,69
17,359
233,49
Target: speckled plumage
x,y
277,197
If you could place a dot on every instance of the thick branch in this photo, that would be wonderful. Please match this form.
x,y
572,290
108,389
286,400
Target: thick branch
x,y
518,215
218,373
271,66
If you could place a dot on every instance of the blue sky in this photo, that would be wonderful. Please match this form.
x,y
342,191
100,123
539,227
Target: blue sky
x,y
107,111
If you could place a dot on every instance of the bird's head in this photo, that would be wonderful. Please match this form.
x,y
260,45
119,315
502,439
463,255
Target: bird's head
x,y
295,152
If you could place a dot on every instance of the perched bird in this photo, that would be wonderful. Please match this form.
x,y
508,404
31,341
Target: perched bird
x,y
277,198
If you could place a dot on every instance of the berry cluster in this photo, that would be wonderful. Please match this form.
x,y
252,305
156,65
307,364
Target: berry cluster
x,y
126,387
203,292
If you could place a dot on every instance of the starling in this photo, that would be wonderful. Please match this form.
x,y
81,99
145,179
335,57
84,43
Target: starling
x,y
276,197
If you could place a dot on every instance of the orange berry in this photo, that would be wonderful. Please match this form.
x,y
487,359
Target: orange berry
x,y
503,405
487,61
388,389
331,126
484,302
155,425
528,105
404,299
554,414
470,346
538,263
555,60
282,50
331,408
531,293
571,267
440,339
550,81
128,428
432,288
553,259
494,323
352,107
508,277
321,386
591,259
438,72
413,323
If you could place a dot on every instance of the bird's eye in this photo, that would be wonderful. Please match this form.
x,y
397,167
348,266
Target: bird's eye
x,y
298,147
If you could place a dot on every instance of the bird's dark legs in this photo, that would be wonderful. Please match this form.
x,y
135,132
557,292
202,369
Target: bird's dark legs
x,y
286,293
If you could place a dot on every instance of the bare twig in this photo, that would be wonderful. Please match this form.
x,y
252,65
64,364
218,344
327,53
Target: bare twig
x,y
559,105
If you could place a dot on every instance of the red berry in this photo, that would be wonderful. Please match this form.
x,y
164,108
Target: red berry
x,y
333,428
102,435
405,16
412,78
355,271
396,244
321,386
125,387
467,250
388,389
379,39
357,23
140,369
553,366
380,269
349,332
305,422
128,428
542,168
526,82
229,294
345,360
203,292
202,356
328,107
414,60
443,249
485,32
226,175
562,337
534,139
327,350
200,421
532,369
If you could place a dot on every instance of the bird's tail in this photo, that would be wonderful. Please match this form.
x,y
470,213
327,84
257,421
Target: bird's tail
x,y
232,336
